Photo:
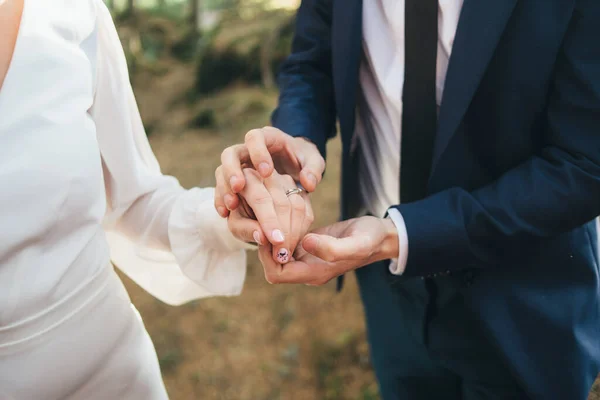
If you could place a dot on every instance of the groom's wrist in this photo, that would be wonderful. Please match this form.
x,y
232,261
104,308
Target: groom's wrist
x,y
389,246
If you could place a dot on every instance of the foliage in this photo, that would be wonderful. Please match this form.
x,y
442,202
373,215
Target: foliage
x,y
250,51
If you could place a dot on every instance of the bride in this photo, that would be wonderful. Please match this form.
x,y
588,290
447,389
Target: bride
x,y
79,188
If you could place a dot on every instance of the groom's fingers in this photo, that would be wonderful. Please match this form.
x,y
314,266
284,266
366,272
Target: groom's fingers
x,y
299,151
271,268
312,163
222,194
333,250
261,143
232,160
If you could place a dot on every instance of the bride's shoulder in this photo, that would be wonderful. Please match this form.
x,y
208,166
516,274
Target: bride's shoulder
x,y
71,19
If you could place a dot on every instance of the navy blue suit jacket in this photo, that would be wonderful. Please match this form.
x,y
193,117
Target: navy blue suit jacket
x,y
515,181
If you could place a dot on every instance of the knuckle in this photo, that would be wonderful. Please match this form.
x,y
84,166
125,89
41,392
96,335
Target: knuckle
x,y
234,230
252,186
298,204
310,217
252,135
282,207
226,154
271,277
261,199
330,257
289,181
298,208
321,281
247,234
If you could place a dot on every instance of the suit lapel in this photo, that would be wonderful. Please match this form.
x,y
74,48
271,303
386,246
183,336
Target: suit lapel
x,y
346,40
480,27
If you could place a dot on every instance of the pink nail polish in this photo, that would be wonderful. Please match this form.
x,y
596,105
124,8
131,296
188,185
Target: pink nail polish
x,y
256,237
283,256
278,235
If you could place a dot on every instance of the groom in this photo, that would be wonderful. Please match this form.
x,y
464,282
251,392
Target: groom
x,y
473,131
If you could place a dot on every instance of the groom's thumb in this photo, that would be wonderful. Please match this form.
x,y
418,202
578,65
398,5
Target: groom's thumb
x,y
332,249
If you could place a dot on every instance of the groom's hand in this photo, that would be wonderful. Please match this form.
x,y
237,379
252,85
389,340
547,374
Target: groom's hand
x,y
334,250
266,149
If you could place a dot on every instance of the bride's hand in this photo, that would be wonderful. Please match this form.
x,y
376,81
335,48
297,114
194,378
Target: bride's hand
x,y
268,215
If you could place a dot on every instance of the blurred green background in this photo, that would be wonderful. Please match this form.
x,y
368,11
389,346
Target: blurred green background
x,y
203,72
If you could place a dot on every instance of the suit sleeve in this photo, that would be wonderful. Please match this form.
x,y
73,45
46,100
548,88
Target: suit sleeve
x,y
306,102
551,193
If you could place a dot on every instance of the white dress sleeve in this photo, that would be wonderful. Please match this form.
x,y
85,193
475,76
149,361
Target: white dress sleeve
x,y
167,239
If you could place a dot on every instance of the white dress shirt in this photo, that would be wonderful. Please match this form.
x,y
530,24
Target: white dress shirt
x,y
79,182
379,116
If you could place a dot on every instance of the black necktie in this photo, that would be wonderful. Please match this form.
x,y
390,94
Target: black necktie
x,y
419,115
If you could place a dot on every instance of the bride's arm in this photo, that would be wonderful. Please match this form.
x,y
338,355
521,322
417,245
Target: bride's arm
x,y
147,211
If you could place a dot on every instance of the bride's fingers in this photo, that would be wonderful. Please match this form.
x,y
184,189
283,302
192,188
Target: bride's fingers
x,y
261,202
309,216
297,214
282,252
245,229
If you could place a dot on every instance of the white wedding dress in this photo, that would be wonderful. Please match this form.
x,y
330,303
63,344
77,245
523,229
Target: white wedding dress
x,y
79,187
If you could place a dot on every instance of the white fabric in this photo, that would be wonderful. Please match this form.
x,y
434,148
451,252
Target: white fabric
x,y
71,138
74,164
382,78
80,185
398,265
143,203
92,347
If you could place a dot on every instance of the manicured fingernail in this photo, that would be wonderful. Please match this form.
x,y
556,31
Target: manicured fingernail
x,y
256,237
222,211
277,236
263,168
283,256
312,179
228,201
233,181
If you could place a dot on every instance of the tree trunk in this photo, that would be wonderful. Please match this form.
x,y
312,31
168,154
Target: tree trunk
x,y
195,13
266,53
130,10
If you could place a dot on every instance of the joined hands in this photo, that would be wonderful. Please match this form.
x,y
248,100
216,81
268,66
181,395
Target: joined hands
x,y
251,192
